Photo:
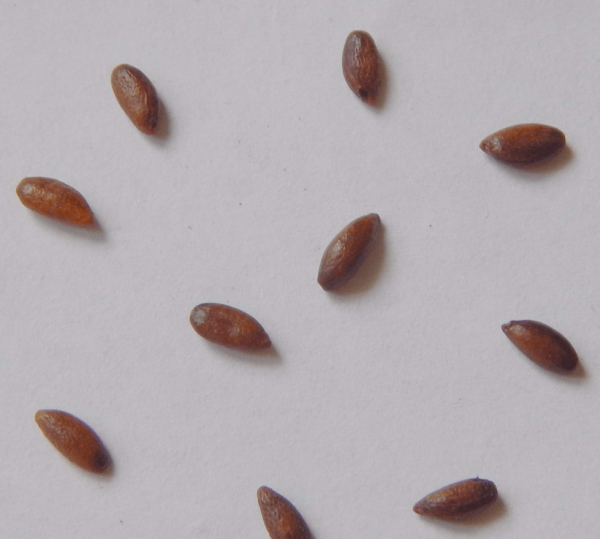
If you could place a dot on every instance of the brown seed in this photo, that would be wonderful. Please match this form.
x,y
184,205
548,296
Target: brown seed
x,y
228,326
360,64
347,251
56,200
281,518
459,500
137,97
525,144
542,344
75,440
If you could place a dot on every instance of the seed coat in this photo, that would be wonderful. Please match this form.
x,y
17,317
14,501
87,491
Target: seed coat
x,y
75,440
137,97
281,518
347,251
228,326
524,144
458,500
360,65
56,200
542,344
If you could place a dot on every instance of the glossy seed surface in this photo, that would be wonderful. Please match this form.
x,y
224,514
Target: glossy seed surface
x,y
542,344
458,500
75,440
56,200
347,251
137,97
228,326
360,64
281,518
525,144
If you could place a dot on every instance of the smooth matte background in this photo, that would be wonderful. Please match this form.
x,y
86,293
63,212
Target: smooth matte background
x,y
372,397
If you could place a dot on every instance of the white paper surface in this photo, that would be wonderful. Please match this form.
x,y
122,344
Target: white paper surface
x,y
372,397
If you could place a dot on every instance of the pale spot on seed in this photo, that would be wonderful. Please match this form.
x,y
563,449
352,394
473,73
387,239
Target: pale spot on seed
x,y
199,316
337,247
517,330
495,144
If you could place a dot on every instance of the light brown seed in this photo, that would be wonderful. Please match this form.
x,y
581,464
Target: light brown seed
x,y
75,440
542,344
525,144
56,200
137,97
458,500
281,518
360,64
228,326
347,251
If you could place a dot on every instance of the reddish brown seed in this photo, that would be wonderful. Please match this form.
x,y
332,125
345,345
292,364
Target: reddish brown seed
x,y
228,326
360,64
347,251
137,97
56,200
75,440
542,344
459,500
525,144
281,518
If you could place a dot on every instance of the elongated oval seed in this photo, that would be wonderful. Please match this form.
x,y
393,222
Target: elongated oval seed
x,y
56,200
347,251
75,440
458,500
137,97
228,326
360,64
542,344
525,144
281,518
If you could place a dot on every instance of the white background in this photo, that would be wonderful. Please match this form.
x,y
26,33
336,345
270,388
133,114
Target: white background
x,y
373,397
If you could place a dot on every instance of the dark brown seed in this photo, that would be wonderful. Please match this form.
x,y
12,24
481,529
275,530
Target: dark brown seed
x,y
75,440
282,519
56,200
360,64
228,326
347,251
459,500
542,344
137,97
525,144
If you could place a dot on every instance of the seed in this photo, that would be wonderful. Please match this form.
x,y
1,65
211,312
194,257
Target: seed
x,y
228,326
542,344
360,64
347,251
459,500
75,440
137,97
56,200
281,518
526,144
